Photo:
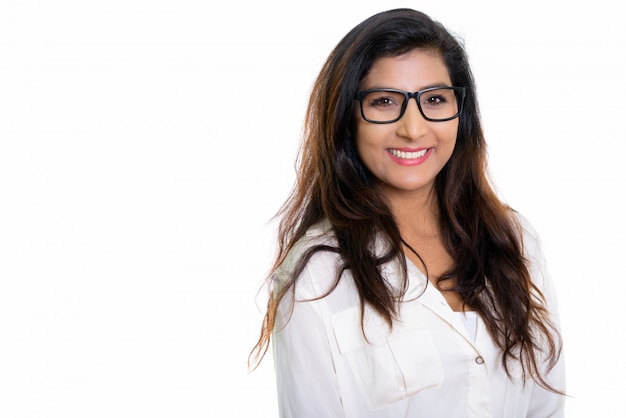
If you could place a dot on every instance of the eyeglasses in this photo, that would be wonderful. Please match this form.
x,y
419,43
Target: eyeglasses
x,y
436,104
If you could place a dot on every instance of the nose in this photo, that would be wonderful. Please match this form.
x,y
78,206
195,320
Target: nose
x,y
412,125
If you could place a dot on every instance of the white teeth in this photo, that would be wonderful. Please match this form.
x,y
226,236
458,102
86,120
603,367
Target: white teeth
x,y
407,155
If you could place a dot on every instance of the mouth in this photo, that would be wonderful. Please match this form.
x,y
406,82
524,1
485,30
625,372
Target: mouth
x,y
406,155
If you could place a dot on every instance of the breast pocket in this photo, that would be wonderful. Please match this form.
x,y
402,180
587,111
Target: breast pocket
x,y
388,366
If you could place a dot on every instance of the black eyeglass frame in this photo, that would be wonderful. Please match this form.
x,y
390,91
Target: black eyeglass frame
x,y
460,93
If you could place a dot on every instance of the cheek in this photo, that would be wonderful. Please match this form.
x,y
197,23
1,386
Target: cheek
x,y
367,148
368,139
448,133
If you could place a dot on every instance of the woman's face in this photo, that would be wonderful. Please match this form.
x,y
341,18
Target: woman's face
x,y
406,155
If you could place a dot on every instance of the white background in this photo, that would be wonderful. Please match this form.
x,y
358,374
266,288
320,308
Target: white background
x,y
144,146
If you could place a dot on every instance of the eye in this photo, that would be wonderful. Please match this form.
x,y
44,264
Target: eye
x,y
438,98
435,100
381,101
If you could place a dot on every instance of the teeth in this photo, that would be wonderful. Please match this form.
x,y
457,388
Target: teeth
x,y
407,155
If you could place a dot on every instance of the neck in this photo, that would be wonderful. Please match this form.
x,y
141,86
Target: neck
x,y
417,213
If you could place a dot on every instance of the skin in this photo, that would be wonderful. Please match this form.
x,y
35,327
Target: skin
x,y
408,185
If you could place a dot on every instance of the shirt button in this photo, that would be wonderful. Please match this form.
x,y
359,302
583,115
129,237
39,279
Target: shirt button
x,y
479,360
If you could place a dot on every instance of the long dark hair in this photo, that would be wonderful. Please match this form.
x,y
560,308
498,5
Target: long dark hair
x,y
483,239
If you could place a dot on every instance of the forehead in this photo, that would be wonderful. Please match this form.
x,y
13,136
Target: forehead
x,y
412,71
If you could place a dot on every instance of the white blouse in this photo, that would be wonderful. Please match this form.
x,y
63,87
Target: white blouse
x,y
433,363
470,321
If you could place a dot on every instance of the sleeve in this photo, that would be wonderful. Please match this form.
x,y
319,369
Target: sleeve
x,y
544,403
305,375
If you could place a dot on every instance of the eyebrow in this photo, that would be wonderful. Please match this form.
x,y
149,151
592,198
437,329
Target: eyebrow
x,y
439,84
442,84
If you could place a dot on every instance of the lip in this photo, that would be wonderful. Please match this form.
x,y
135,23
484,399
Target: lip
x,y
409,161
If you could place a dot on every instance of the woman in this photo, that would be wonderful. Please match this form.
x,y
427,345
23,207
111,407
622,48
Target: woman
x,y
402,286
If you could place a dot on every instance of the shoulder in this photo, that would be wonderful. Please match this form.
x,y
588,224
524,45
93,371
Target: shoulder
x,y
319,235
317,249
534,255
530,239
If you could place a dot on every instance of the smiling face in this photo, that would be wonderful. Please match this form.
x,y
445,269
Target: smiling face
x,y
406,156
